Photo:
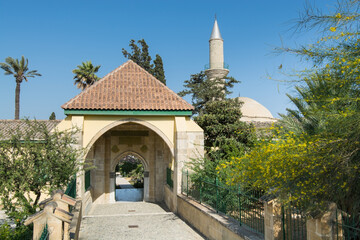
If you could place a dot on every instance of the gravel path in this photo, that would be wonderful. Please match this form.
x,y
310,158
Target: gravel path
x,y
133,221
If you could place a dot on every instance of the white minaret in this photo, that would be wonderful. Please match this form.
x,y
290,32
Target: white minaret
x,y
216,46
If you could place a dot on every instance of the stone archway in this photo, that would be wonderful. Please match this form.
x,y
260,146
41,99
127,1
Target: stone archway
x,y
145,164
111,125
129,137
130,95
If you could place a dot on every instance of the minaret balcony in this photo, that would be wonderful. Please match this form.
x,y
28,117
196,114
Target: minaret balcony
x,y
225,66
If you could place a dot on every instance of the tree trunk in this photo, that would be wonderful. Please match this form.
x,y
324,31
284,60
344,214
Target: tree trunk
x,y
17,100
38,195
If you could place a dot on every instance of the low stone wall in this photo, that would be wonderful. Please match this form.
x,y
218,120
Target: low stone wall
x,y
211,224
86,202
76,221
81,208
169,198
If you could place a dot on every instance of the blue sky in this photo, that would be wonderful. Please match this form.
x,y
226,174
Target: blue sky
x,y
56,36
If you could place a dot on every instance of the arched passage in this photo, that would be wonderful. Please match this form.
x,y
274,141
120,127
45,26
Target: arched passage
x,y
129,137
132,191
146,124
126,153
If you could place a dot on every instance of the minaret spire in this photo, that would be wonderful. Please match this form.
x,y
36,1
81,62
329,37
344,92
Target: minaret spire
x,y
215,34
216,49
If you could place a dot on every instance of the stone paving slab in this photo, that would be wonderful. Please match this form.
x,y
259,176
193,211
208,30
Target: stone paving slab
x,y
125,208
148,221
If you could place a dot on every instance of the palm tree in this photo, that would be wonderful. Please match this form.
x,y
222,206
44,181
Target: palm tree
x,y
20,70
319,99
85,75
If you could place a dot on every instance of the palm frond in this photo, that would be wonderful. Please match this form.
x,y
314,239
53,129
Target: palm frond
x,y
13,63
6,68
85,75
18,68
33,73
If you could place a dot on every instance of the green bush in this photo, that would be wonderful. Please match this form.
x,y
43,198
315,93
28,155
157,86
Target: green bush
x,y
19,233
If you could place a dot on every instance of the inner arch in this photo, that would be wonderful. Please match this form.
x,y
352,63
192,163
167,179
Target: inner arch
x,y
126,153
131,120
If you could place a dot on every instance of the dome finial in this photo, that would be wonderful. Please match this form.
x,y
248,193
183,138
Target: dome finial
x,y
215,34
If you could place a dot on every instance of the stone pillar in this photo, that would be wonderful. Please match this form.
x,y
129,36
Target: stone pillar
x,y
78,123
152,167
195,145
159,172
98,178
112,187
107,167
180,152
63,202
38,228
146,186
53,217
272,211
325,227
66,231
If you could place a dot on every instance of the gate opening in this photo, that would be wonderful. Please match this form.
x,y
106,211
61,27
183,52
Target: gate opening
x,y
129,182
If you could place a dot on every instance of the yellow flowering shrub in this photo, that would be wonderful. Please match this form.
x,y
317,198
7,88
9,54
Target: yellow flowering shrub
x,y
301,169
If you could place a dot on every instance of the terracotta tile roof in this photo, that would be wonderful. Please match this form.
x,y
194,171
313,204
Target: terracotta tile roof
x,y
129,87
8,127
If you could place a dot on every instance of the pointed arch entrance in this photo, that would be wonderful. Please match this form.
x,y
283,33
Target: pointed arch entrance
x,y
128,137
136,186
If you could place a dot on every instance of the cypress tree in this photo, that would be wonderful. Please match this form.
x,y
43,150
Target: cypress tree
x,y
158,70
140,55
52,116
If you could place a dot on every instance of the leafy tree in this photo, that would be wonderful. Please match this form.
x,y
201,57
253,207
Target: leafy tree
x,y
85,75
223,129
320,98
203,90
34,161
141,57
219,116
52,116
20,71
137,176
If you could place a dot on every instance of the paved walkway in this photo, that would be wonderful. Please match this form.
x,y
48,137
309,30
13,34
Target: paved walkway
x,y
134,221
122,182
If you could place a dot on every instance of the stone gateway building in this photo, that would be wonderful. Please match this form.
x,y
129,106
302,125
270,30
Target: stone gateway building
x,y
130,112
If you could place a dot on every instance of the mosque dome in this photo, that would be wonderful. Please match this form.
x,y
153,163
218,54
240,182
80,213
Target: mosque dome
x,y
253,111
